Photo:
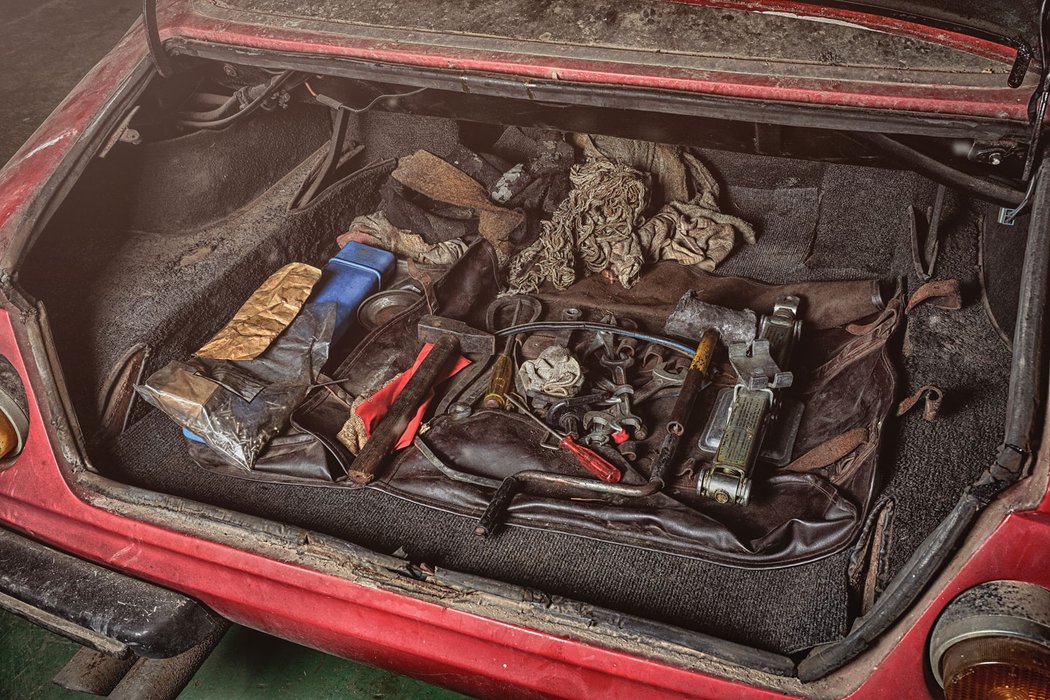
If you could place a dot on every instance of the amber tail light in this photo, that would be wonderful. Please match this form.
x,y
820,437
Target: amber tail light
x,y
996,668
992,642
14,423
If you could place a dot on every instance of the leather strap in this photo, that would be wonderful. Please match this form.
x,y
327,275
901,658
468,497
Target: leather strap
x,y
829,451
886,314
933,394
944,294
118,396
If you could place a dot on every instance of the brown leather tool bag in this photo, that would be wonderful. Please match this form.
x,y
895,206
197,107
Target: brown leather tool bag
x,y
810,508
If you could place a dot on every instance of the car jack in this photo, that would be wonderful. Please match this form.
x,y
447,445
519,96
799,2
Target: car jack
x,y
755,401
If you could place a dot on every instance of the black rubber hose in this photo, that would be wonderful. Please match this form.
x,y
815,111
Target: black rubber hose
x,y
1026,371
1021,419
161,61
941,172
599,328
906,586
211,115
275,84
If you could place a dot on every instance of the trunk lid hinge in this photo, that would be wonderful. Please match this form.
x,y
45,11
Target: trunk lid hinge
x,y
161,60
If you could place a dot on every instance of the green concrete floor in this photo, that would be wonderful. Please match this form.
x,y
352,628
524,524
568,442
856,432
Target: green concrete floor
x,y
246,664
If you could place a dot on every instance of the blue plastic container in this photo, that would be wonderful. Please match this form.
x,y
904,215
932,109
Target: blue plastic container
x,y
355,273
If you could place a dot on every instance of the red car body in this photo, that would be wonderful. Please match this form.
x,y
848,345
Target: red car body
x,y
321,596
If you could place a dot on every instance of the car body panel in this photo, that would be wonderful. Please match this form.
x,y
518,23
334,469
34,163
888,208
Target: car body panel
x,y
212,22
303,601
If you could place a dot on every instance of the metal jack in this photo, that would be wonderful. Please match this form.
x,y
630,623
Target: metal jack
x,y
761,374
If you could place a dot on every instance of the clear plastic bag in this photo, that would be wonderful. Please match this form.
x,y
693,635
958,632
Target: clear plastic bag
x,y
237,406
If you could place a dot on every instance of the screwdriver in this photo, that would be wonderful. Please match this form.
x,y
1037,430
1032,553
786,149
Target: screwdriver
x,y
588,459
502,370
502,378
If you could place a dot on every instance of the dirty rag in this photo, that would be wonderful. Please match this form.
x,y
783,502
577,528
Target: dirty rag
x,y
376,230
447,191
554,372
600,228
594,226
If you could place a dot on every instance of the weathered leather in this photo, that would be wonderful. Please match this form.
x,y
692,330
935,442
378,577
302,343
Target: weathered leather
x,y
287,458
829,304
844,377
846,381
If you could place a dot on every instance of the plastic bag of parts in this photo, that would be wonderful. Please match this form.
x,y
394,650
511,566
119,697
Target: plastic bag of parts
x,y
237,406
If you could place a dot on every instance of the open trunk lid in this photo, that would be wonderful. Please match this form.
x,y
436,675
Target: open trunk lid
x,y
795,53
168,260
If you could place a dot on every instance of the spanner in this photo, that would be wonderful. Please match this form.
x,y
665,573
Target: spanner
x,y
622,391
665,376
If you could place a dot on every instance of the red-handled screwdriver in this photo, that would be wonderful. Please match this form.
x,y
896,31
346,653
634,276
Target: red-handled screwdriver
x,y
588,459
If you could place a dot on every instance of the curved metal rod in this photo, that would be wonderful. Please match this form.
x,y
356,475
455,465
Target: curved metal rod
x,y
599,328
275,84
935,169
514,484
161,60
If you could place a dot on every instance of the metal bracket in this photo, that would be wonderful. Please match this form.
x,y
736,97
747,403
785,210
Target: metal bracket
x,y
757,369
758,364
123,133
924,249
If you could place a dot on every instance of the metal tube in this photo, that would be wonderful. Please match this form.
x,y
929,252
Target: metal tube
x,y
598,328
985,189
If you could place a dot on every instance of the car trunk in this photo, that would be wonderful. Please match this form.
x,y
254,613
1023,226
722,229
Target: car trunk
x,y
161,241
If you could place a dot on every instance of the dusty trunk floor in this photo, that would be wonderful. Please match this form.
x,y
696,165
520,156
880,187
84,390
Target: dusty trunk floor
x,y
772,609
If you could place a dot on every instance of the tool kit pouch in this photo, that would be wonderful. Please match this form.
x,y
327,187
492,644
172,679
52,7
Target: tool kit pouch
x,y
308,452
810,508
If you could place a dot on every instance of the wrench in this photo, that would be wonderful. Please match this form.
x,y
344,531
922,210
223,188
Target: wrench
x,y
665,376
602,425
622,390
564,337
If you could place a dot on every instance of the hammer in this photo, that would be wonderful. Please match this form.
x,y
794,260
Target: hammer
x,y
450,339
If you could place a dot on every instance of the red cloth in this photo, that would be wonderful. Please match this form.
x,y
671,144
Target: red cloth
x,y
374,408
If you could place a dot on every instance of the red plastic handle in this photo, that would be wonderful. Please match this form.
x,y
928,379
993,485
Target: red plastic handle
x,y
591,461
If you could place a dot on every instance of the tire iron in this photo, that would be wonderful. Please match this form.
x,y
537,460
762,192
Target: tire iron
x,y
698,372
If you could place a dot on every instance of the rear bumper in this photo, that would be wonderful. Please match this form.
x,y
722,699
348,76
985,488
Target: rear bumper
x,y
97,607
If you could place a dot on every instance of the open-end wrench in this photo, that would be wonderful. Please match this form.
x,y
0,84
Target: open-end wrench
x,y
622,391
665,376
602,426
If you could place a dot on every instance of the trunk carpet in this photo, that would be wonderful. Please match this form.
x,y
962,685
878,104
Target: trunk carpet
x,y
926,465
961,352
781,610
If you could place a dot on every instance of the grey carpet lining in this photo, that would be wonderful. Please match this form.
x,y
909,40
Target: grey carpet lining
x,y
781,610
